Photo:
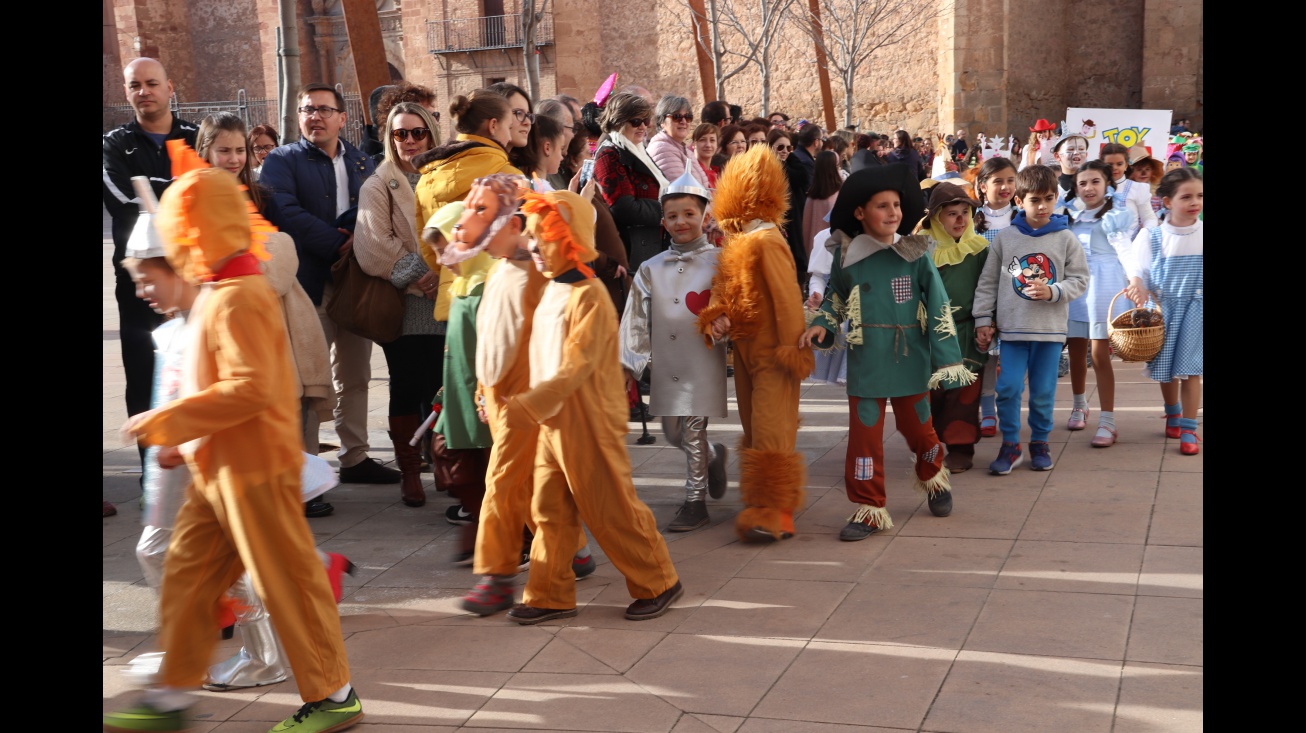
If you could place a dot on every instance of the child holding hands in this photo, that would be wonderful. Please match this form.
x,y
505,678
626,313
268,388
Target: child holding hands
x,y
1035,268
688,386
960,254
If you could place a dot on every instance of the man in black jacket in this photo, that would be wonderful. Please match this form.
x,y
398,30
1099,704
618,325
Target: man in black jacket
x,y
137,149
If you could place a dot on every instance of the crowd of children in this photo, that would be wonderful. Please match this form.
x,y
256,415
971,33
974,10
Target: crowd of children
x,y
942,308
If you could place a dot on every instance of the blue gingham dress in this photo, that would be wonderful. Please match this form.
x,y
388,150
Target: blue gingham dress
x,y
991,234
1177,281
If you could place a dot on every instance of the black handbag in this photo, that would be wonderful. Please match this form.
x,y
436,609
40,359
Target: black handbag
x,y
362,304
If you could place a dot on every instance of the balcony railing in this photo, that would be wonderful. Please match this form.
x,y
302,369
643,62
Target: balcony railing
x,y
486,32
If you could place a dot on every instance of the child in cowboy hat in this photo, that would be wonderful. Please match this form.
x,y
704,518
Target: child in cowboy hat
x,y
902,339
1039,149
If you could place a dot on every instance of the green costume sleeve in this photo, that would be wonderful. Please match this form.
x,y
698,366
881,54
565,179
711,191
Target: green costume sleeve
x,y
937,323
834,304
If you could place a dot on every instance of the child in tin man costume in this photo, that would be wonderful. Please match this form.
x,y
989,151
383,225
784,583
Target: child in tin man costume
x,y
688,384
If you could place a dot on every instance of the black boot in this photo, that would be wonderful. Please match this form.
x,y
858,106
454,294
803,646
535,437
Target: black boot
x,y
692,515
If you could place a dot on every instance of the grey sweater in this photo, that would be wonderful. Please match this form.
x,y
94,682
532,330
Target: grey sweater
x,y
1016,258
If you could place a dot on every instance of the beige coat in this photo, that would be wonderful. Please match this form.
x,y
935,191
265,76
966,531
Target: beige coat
x,y
308,343
387,227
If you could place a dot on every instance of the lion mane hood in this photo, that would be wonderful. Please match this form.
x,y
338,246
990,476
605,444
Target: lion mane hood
x,y
752,187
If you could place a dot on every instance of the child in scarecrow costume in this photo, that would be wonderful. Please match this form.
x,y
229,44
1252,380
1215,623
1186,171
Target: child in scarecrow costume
x,y
756,303
902,339
237,424
959,254
577,401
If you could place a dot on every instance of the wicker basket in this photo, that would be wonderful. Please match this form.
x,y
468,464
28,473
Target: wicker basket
x,y
1132,343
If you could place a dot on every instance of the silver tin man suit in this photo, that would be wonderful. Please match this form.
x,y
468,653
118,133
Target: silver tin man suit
x,y
688,383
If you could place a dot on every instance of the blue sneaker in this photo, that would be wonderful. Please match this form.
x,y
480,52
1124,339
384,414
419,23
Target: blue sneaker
x,y
1008,458
1040,459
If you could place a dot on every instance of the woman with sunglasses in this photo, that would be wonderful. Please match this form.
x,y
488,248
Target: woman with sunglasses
x,y
628,178
781,142
385,243
670,148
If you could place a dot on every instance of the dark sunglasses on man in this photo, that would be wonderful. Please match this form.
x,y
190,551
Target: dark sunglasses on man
x,y
419,133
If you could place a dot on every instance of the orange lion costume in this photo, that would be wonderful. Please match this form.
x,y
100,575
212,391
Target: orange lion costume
x,y
756,289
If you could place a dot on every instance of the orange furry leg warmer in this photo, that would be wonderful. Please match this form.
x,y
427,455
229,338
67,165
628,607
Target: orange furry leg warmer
x,y
771,485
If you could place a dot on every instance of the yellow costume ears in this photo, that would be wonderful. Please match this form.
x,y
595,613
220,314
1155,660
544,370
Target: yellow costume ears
x,y
562,224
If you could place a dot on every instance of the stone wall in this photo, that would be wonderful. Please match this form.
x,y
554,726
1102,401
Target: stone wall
x,y
1173,63
158,29
228,49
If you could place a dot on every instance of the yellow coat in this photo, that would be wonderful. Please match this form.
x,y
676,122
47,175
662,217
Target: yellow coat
x,y
447,175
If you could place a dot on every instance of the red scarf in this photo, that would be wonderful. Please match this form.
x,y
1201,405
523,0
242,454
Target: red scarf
x,y
242,264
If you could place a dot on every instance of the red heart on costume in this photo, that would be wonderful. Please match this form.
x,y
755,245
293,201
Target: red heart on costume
x,y
696,302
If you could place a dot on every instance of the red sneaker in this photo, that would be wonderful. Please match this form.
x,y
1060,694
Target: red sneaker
x,y
336,571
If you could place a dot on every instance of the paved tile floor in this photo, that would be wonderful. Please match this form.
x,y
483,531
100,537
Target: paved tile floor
x,y
1068,600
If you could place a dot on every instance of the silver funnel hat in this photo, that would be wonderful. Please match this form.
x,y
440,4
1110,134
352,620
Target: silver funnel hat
x,y
145,241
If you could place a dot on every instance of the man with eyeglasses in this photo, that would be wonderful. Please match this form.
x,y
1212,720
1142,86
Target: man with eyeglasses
x,y
315,182
137,149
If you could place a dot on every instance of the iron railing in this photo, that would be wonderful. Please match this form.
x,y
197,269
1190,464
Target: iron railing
x,y
252,111
486,32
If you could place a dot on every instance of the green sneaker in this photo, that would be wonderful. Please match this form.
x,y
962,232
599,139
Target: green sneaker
x,y
323,716
146,718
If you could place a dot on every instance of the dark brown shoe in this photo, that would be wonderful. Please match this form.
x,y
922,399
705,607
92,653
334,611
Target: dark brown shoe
x,y
524,614
644,609
958,462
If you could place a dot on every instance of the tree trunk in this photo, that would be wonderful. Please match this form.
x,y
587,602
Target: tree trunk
x,y
848,99
530,59
766,89
717,50
289,71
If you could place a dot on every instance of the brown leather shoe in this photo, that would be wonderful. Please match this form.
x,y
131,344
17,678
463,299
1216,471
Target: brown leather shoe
x,y
647,608
525,615
958,462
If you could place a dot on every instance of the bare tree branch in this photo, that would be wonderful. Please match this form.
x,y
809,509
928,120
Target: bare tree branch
x,y
854,30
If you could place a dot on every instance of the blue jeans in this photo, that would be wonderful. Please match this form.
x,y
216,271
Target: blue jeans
x,y
1039,360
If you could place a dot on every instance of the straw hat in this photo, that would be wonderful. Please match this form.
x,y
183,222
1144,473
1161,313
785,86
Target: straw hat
x,y
1138,156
